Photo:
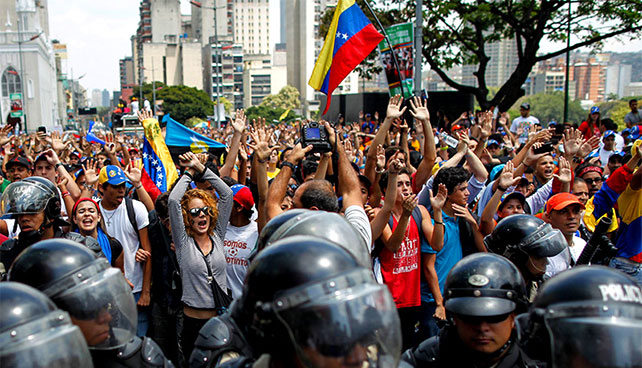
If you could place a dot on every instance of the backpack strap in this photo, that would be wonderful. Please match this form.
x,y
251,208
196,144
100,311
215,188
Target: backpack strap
x,y
131,214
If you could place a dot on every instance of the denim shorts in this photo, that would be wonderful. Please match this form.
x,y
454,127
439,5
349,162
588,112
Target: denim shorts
x,y
631,268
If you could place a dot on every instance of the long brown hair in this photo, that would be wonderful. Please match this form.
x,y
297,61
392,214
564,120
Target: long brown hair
x,y
209,202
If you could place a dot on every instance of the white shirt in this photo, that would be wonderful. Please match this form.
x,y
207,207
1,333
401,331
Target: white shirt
x,y
119,227
604,156
358,218
562,261
239,243
525,124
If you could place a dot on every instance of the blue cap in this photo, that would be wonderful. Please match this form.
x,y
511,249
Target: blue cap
x,y
607,134
112,175
494,173
491,141
595,110
635,132
619,153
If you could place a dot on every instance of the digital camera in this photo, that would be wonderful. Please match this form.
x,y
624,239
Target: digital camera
x,y
316,135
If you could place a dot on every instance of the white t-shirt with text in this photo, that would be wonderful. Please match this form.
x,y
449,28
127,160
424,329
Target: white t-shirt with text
x,y
239,243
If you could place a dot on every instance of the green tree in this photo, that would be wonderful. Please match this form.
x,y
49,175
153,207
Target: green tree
x,y
268,113
547,107
148,90
287,98
183,102
459,32
226,104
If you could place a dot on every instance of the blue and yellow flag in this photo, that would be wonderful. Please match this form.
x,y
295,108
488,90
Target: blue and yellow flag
x,y
181,139
350,39
156,157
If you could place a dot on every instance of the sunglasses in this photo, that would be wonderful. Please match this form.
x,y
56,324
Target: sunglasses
x,y
195,212
591,181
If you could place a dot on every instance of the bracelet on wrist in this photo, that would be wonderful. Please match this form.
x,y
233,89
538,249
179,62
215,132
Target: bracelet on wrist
x,y
380,171
138,186
56,166
439,223
189,175
65,194
288,164
500,188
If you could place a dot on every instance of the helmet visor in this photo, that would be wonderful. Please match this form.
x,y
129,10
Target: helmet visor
x,y
547,242
601,338
355,325
103,307
24,198
46,342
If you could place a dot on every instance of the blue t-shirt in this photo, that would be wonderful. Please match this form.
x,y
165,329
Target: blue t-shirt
x,y
450,254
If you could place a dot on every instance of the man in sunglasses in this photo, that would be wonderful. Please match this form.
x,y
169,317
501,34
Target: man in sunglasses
x,y
483,294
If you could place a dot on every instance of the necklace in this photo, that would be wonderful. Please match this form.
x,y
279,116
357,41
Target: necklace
x,y
110,217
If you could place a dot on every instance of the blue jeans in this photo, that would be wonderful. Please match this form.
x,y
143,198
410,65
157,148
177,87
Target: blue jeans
x,y
428,326
630,268
143,318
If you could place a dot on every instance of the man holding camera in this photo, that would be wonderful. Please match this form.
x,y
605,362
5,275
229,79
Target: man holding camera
x,y
318,194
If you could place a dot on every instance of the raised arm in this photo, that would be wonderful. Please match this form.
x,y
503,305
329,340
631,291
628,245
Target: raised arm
x,y
437,203
505,181
279,185
348,180
420,112
134,174
393,112
239,127
393,241
262,152
381,219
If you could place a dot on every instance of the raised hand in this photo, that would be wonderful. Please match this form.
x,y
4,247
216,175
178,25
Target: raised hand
x,y
298,153
144,114
349,150
531,156
189,160
409,204
437,202
395,166
402,126
332,137
418,109
370,212
506,179
589,145
564,175
394,109
486,124
239,122
4,134
51,156
572,141
91,175
110,146
133,173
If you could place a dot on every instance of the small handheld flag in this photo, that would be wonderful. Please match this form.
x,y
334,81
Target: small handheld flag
x,y
350,39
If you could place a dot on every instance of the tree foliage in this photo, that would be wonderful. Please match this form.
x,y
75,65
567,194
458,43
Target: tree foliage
x,y
226,104
548,107
148,90
287,98
183,102
459,32
268,113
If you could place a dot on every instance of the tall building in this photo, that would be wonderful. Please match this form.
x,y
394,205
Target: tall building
x,y
203,19
96,97
590,80
106,98
303,46
223,66
127,77
261,77
252,26
503,61
618,76
27,64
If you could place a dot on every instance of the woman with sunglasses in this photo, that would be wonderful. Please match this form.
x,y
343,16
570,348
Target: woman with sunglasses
x,y
198,228
87,220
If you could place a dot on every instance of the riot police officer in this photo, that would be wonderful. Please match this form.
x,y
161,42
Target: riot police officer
x,y
96,296
483,294
35,205
34,333
308,302
589,316
528,242
327,225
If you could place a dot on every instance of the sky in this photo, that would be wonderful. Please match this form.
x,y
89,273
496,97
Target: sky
x,y
97,34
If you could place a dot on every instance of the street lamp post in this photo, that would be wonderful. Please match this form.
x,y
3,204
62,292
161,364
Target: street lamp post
x,y
217,55
22,74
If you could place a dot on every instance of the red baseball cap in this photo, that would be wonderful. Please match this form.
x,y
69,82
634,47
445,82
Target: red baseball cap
x,y
561,201
243,196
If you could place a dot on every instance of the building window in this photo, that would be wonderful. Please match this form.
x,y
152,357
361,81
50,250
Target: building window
x,y
10,82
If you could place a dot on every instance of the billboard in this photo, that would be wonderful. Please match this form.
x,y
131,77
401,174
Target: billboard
x,y
402,41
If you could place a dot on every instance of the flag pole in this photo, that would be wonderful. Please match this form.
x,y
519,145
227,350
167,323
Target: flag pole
x,y
385,36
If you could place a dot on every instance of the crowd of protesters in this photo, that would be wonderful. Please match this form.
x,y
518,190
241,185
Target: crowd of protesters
x,y
421,193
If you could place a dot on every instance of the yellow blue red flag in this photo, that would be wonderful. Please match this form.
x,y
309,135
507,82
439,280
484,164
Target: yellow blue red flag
x,y
156,157
350,39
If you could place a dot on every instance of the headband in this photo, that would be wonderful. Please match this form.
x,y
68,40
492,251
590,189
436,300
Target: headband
x,y
73,211
588,169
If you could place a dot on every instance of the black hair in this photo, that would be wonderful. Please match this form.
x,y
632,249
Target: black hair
x,y
320,197
161,205
383,181
308,167
609,124
415,158
450,177
615,159
632,101
392,150
577,179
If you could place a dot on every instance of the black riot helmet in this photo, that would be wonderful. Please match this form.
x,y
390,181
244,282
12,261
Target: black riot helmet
x,y
308,298
588,316
95,295
34,333
483,285
519,236
327,225
29,196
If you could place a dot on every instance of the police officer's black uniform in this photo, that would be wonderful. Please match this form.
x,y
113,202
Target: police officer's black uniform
x,y
90,290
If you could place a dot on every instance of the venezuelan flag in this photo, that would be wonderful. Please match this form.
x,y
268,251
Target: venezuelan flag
x,y
350,39
156,157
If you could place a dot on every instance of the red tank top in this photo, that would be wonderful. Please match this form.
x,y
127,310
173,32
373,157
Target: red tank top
x,y
401,270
